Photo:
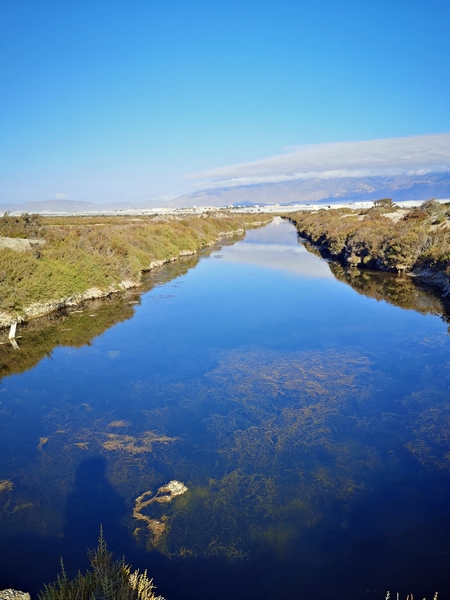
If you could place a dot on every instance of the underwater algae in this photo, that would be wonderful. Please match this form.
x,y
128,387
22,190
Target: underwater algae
x,y
73,435
255,439
135,445
272,459
299,438
262,453
270,444
6,485
428,423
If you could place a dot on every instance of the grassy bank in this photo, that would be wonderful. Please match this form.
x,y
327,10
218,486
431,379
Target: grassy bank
x,y
384,238
47,262
75,326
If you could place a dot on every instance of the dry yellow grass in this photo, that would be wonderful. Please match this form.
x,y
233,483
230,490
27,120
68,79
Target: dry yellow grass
x,y
381,239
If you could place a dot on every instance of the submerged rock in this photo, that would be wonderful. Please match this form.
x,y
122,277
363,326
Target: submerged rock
x,y
166,493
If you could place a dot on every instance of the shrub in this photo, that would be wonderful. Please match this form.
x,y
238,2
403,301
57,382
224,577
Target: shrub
x,y
436,211
430,210
108,580
375,241
22,226
384,204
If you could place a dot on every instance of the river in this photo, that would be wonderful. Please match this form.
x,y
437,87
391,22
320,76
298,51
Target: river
x,y
305,408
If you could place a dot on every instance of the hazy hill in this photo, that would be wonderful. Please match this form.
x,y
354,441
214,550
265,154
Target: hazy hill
x,y
63,206
347,189
75,207
401,187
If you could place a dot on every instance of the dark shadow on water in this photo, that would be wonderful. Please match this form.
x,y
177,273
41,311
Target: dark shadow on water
x,y
27,561
94,503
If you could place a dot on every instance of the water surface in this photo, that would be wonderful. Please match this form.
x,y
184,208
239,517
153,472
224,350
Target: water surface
x,y
309,422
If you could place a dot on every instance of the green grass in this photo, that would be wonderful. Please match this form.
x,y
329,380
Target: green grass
x,y
80,253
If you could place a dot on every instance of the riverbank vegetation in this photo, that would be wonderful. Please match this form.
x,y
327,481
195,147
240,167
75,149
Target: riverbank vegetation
x,y
77,326
383,237
50,259
109,579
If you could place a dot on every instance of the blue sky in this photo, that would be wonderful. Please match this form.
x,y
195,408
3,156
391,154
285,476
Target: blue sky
x,y
107,100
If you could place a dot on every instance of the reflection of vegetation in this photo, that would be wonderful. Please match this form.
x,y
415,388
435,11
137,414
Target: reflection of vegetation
x,y
108,580
76,328
399,290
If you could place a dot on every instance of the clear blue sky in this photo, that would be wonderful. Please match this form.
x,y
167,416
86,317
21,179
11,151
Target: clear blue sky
x,y
118,100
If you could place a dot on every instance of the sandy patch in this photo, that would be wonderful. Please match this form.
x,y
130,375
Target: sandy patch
x,y
19,244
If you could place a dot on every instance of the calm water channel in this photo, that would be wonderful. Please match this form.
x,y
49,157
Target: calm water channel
x,y
308,418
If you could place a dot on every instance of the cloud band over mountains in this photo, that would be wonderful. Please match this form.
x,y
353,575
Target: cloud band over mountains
x,y
392,156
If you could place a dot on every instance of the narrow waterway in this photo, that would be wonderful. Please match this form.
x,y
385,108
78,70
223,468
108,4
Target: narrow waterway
x,y
304,410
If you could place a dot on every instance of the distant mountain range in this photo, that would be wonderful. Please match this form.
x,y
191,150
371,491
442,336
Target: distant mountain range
x,y
67,206
345,189
302,191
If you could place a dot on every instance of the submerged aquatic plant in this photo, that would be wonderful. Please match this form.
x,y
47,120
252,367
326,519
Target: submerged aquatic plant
x,y
109,579
6,485
134,445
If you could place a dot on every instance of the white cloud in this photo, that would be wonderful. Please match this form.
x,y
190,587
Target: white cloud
x,y
391,156
60,197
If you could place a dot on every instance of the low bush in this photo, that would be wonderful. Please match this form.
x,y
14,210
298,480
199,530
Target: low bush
x,y
371,239
22,226
109,579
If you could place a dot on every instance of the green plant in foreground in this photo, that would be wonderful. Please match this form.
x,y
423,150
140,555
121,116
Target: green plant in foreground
x,y
108,580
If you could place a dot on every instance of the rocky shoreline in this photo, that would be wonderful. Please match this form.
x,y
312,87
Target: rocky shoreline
x,y
437,279
431,277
